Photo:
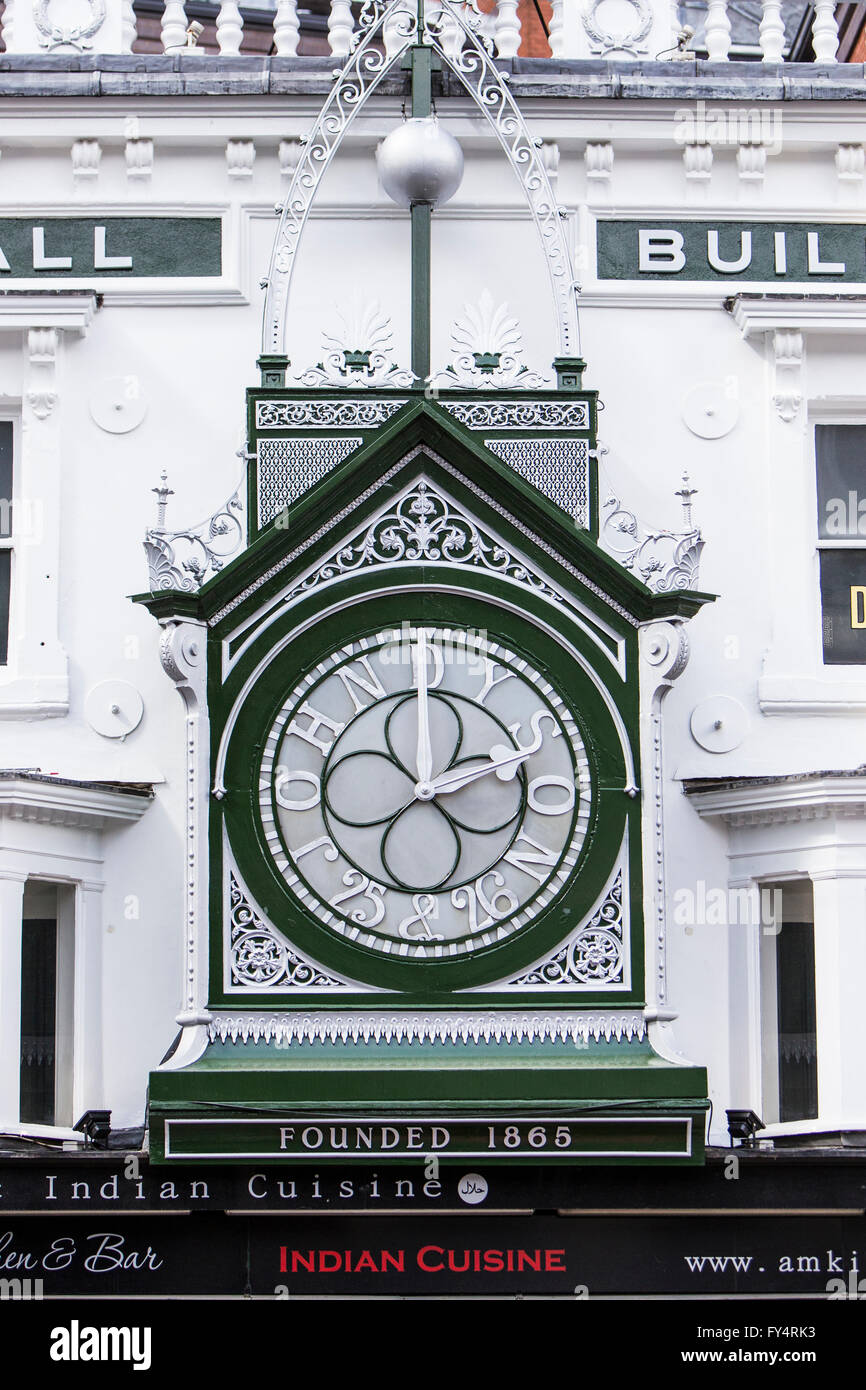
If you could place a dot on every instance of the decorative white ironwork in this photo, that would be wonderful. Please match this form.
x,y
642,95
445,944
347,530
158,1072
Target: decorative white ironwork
x,y
357,353
290,467
472,62
78,36
185,560
424,526
664,560
488,347
594,955
365,67
557,467
260,959
603,41
329,571
475,68
520,415
406,1026
337,415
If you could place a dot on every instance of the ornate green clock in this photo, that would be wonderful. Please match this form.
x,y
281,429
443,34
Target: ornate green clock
x,y
416,842
425,841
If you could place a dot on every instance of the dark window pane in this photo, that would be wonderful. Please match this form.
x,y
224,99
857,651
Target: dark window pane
x,y
841,458
38,1019
843,606
5,572
798,1039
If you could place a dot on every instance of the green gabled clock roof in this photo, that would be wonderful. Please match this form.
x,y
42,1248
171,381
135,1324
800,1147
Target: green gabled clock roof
x,y
490,489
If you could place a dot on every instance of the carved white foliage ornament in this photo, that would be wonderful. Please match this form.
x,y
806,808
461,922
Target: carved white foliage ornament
x,y
487,343
357,352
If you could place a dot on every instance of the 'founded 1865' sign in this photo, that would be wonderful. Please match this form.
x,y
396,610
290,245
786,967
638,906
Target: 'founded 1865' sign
x,y
88,247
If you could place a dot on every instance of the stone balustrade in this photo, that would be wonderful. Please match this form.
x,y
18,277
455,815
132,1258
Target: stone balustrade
x,y
628,30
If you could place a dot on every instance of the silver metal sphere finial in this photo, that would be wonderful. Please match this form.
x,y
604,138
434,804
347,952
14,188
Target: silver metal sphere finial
x,y
419,162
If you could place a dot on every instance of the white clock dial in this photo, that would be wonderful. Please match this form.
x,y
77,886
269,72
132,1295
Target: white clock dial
x,y
425,792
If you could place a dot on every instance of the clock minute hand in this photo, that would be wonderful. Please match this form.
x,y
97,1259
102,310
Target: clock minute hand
x,y
424,754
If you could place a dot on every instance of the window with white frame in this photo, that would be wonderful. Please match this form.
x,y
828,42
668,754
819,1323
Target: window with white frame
x,y
788,1007
840,457
47,1003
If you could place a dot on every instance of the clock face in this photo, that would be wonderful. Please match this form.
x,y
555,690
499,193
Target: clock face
x,y
425,792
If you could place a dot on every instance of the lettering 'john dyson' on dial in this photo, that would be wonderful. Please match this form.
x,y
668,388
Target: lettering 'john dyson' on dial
x,y
425,792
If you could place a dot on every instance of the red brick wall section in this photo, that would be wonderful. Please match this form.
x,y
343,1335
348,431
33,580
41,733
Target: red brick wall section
x,y
858,52
533,26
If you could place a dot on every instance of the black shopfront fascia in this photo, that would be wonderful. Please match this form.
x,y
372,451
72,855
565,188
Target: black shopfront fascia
x,y
751,1221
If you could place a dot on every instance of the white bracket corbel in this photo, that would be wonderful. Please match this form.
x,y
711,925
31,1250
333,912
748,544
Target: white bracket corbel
x,y
788,357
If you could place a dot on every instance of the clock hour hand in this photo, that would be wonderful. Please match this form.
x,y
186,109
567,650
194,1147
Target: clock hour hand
x,y
424,755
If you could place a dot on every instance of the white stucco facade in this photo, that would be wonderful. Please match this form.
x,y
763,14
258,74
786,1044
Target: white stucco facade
x,y
769,359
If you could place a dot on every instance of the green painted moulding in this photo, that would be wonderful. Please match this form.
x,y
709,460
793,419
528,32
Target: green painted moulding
x,y
625,1101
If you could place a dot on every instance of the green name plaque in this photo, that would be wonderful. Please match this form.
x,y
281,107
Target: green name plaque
x,y
77,247
726,249
347,1139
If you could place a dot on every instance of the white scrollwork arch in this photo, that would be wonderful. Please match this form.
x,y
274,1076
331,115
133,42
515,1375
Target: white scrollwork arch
x,y
472,63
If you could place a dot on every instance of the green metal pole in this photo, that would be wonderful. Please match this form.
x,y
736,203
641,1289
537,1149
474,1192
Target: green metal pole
x,y
421,214
421,226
